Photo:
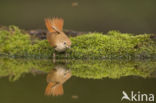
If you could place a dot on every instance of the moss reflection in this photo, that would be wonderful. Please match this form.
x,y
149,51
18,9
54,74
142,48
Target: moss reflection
x,y
97,69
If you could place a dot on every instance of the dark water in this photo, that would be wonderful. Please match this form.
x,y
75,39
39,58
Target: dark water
x,y
31,89
24,80
132,16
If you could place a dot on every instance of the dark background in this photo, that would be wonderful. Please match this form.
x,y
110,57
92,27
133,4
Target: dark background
x,y
132,16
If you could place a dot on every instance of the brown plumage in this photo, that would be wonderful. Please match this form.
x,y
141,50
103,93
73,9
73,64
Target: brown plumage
x,y
56,37
55,78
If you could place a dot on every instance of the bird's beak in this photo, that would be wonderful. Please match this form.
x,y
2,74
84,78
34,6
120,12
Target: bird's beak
x,y
68,47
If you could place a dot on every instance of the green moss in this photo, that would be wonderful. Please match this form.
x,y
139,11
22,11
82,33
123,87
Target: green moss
x,y
15,43
114,44
17,68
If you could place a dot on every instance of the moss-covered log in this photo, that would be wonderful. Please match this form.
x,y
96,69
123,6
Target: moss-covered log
x,y
16,68
114,44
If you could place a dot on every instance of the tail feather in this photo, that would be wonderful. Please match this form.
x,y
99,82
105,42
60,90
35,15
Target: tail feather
x,y
54,89
54,25
48,89
58,90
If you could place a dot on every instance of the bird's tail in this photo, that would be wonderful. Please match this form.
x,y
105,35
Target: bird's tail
x,y
54,89
54,24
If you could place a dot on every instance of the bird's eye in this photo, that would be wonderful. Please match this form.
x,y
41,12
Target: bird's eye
x,y
65,43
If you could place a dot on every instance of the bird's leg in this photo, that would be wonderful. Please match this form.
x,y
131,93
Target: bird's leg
x,y
66,56
54,56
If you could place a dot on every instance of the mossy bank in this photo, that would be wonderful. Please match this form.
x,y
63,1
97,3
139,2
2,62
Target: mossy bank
x,y
15,43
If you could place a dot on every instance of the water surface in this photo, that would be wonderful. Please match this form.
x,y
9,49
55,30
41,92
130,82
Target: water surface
x,y
24,80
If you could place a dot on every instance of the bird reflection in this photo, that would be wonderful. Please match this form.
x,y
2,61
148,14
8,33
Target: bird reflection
x,y
56,78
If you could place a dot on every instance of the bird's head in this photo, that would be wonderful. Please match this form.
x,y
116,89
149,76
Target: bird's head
x,y
67,43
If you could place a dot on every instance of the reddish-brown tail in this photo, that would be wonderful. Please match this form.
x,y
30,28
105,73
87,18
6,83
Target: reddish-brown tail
x,y
54,24
54,90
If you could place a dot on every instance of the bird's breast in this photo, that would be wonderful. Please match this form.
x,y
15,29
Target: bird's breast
x,y
60,48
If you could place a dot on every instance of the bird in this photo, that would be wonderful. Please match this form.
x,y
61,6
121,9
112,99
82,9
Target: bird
x,y
55,35
56,78
125,96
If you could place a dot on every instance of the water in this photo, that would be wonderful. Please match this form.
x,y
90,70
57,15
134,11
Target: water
x,y
24,80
